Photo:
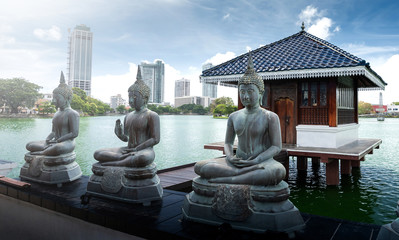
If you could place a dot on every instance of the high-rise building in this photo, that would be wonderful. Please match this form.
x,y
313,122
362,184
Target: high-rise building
x,y
153,75
117,101
203,101
209,89
80,58
182,87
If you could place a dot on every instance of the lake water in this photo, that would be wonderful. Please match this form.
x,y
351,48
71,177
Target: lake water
x,y
370,194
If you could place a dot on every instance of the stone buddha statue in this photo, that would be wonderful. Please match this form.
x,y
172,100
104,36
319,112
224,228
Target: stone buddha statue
x,y
65,125
140,129
259,139
128,173
245,189
52,160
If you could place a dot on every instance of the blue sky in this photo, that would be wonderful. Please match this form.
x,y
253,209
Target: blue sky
x,y
186,34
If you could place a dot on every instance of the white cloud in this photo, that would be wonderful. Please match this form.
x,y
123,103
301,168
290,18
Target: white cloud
x,y
220,58
316,23
308,14
389,71
248,48
362,49
226,16
321,28
52,34
103,87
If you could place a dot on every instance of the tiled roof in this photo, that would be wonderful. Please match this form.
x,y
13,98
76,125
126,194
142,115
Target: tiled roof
x,y
301,51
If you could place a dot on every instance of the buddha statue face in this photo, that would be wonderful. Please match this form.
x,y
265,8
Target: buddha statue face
x,y
249,95
60,101
136,100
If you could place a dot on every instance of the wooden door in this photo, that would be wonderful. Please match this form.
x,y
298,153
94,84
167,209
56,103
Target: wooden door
x,y
284,108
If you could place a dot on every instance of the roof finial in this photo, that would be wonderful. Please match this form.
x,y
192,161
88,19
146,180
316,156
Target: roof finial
x,y
62,78
139,73
250,61
303,27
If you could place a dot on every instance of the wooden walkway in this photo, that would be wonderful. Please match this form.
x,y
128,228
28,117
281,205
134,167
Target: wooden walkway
x,y
177,178
161,220
337,160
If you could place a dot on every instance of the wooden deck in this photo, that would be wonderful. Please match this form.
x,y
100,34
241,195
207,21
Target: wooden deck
x,y
161,220
177,178
337,160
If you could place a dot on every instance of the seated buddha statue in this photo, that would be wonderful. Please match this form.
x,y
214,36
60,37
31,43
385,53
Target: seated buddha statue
x,y
65,125
140,129
259,139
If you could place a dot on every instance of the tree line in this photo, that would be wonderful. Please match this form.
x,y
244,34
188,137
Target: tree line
x,y
18,92
222,106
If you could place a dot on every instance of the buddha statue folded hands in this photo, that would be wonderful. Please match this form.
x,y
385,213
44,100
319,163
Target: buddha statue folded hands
x,y
259,139
52,161
245,189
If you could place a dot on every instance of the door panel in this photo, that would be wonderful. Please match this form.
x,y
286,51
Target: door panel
x,y
284,108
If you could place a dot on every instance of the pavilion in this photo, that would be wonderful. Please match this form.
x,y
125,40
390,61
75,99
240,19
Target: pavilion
x,y
312,85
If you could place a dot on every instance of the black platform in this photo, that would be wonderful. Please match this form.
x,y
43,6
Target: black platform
x,y
163,219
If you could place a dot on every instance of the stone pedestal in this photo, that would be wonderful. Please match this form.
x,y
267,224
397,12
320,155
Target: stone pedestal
x,y
133,185
244,207
50,169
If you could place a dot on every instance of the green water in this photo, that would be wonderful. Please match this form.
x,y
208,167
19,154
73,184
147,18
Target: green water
x,y
369,195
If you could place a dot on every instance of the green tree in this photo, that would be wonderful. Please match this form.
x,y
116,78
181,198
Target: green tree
x,y
199,109
364,108
77,103
92,109
18,92
220,109
46,108
227,101
395,103
121,109
80,93
187,108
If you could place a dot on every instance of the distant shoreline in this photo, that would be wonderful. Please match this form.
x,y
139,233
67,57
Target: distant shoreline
x,y
23,115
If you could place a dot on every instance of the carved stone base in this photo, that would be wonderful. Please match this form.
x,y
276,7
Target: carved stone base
x,y
50,169
389,231
133,185
244,207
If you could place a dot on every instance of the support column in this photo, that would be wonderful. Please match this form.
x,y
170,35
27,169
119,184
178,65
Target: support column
x,y
287,167
302,163
355,164
315,162
346,167
332,172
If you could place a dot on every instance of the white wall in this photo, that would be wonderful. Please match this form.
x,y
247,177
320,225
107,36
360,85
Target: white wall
x,y
325,136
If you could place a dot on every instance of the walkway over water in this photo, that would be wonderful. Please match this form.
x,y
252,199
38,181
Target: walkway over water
x,y
163,219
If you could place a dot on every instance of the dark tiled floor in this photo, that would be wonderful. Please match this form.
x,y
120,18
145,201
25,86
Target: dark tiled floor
x,y
163,219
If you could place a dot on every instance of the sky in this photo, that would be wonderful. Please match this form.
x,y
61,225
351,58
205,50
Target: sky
x,y
185,34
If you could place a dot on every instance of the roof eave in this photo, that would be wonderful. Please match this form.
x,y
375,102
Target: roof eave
x,y
303,73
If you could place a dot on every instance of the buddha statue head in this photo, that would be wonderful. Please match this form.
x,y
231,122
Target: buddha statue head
x,y
63,89
251,77
140,86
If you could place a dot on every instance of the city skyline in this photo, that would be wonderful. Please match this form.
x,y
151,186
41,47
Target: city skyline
x,y
33,43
